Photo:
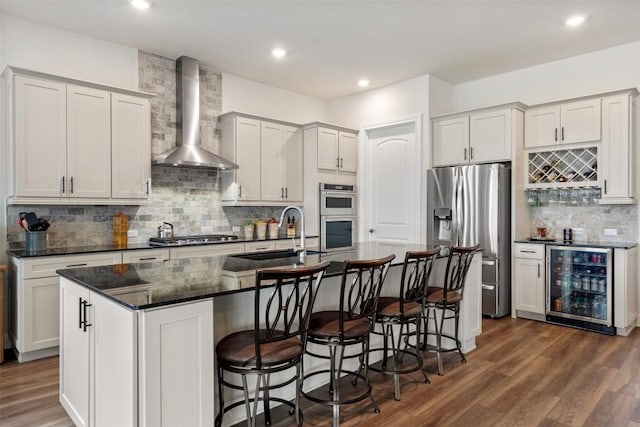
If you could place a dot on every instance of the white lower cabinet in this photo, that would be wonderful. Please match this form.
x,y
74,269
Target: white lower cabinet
x,y
176,365
120,367
206,250
98,365
625,290
529,286
34,295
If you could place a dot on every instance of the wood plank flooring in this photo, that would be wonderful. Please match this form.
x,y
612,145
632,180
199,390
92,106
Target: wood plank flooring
x,y
524,373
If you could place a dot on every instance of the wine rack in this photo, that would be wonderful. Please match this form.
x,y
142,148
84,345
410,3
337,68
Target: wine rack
x,y
576,167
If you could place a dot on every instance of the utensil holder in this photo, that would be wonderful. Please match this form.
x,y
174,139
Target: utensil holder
x,y
36,241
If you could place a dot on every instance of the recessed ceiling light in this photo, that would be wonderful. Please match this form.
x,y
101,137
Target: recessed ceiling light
x,y
140,4
575,20
363,82
278,52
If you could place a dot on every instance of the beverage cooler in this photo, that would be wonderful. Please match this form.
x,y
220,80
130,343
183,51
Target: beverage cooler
x,y
580,287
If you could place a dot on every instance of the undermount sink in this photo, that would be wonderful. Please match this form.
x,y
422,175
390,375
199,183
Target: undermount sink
x,y
261,256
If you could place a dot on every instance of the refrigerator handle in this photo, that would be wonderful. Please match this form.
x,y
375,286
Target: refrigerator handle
x,y
459,207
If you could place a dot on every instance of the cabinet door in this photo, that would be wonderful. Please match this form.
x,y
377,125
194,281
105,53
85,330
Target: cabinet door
x,y
328,157
176,363
88,142
272,162
542,126
145,255
113,364
617,158
348,149
41,316
490,136
248,158
40,137
206,250
293,155
625,289
529,286
131,147
450,141
74,353
580,121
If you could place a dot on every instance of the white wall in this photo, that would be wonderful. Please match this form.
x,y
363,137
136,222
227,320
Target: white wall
x,y
601,71
251,97
27,44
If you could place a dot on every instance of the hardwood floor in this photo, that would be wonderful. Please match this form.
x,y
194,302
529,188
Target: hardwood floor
x,y
524,373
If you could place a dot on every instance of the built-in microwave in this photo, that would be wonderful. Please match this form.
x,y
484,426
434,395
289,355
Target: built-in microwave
x,y
338,233
337,199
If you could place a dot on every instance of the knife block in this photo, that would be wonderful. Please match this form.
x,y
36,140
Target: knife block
x,y
36,241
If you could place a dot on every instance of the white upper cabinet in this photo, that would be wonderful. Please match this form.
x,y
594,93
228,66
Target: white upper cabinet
x,y
566,123
476,137
269,158
617,153
337,150
88,142
130,147
73,143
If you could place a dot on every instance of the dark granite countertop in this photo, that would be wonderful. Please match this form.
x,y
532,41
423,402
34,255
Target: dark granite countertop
x,y
170,282
77,250
619,245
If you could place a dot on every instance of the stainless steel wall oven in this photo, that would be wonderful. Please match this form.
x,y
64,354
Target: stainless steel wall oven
x,y
338,218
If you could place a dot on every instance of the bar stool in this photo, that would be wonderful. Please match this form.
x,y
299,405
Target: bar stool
x,y
404,311
348,326
275,344
447,300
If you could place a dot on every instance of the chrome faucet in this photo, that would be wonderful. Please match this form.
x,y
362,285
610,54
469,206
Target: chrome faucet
x,y
303,248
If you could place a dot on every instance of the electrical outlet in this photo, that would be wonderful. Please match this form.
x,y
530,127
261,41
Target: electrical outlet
x,y
578,231
235,229
610,232
132,233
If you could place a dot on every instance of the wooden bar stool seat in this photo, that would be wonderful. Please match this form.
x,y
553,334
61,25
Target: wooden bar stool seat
x,y
275,344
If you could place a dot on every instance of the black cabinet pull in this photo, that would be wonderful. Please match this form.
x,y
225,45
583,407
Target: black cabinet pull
x,y
465,154
555,138
80,311
63,185
85,324
71,185
562,133
538,270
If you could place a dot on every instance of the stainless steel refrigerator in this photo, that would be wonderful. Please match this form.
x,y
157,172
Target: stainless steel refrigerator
x,y
468,205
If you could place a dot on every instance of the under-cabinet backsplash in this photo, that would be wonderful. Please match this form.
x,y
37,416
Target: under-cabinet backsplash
x,y
186,197
593,219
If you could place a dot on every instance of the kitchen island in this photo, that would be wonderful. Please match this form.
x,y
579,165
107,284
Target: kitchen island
x,y
137,340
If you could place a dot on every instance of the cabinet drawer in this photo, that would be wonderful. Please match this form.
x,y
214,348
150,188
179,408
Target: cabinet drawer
x,y
146,255
312,243
529,250
259,246
206,250
47,265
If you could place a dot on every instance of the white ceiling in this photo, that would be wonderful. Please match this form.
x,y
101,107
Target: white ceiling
x,y
332,44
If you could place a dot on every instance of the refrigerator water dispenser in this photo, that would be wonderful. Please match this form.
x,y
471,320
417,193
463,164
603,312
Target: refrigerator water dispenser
x,y
442,223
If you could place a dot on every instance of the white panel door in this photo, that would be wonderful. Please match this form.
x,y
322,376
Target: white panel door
x,y
74,353
131,147
328,157
450,141
177,385
114,371
529,285
348,149
490,136
542,126
272,162
580,121
617,164
392,184
41,316
247,158
88,142
293,154
40,137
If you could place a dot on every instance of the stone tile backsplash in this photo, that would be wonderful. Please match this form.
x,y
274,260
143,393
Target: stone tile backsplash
x,y
188,198
593,219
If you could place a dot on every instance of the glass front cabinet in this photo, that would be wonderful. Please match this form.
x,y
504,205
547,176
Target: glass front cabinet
x,y
580,287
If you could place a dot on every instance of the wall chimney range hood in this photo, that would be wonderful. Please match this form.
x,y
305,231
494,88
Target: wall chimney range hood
x,y
188,151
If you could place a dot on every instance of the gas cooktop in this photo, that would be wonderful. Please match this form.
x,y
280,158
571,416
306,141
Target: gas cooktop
x,y
191,240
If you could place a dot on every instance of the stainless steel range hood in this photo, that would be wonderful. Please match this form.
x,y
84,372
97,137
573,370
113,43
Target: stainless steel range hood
x,y
188,151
